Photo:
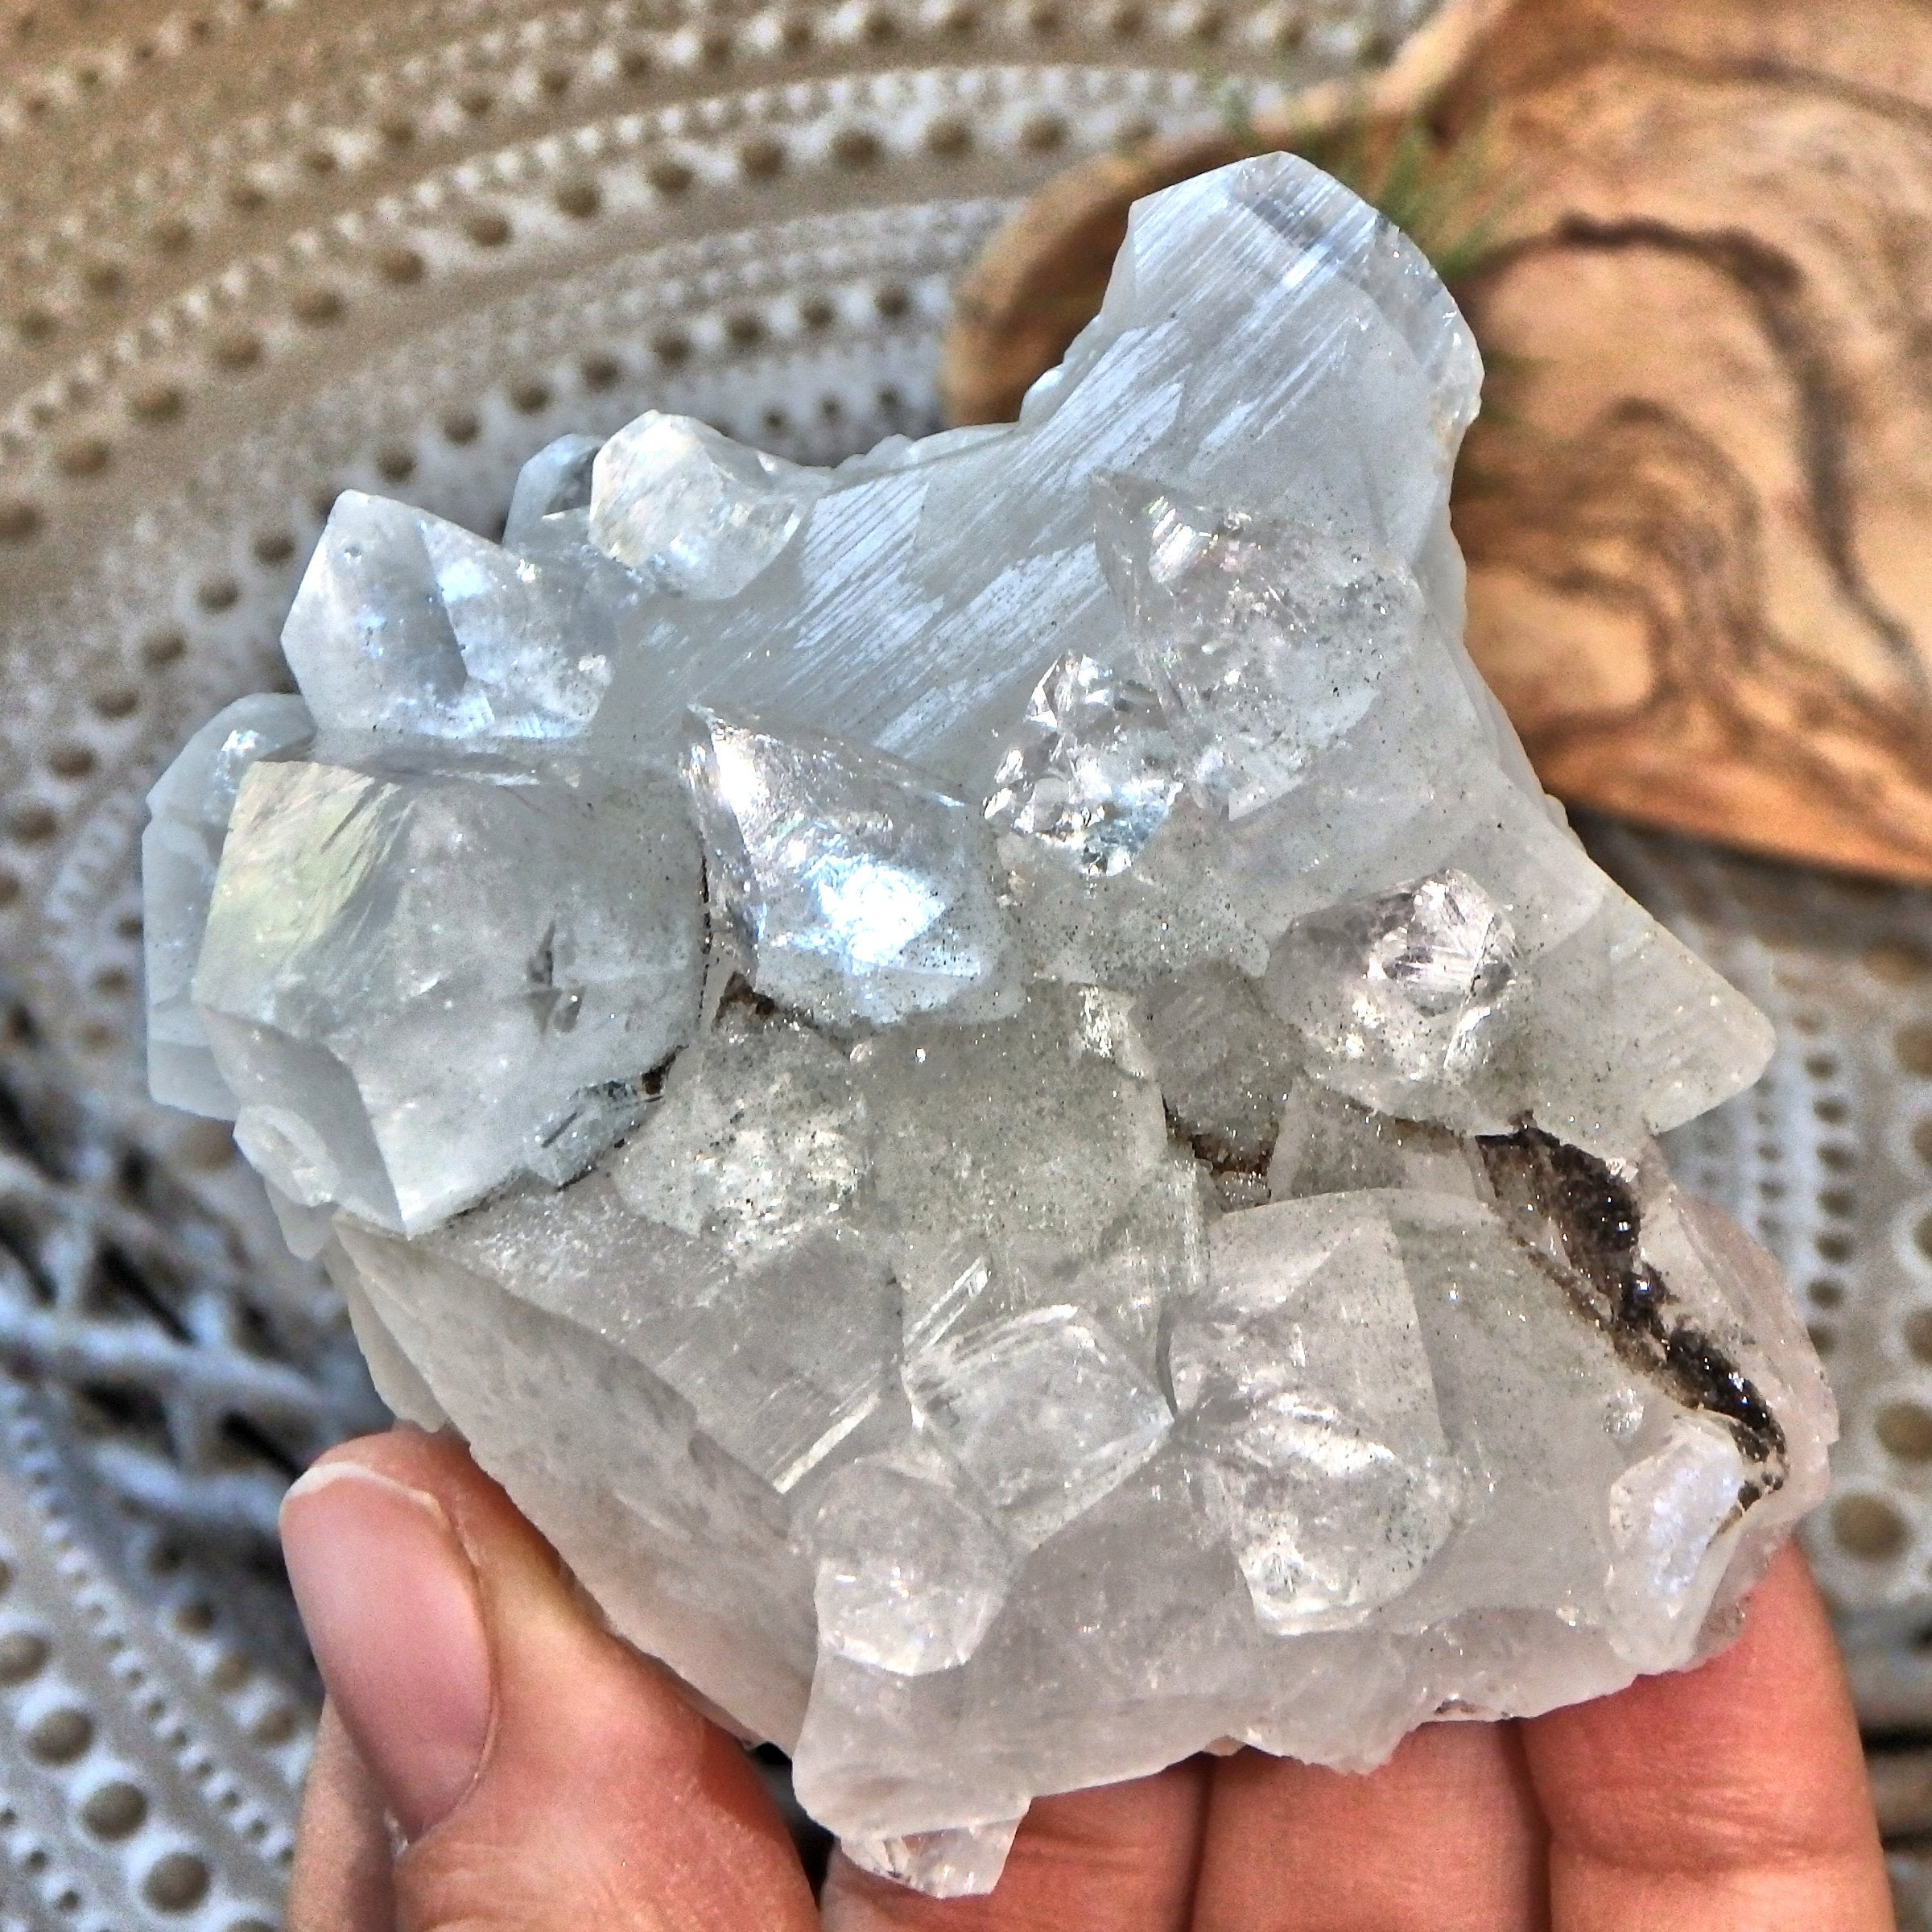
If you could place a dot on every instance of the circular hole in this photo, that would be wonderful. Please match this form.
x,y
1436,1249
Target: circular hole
x,y
668,175
395,465
527,398
177,1882
10,889
1839,1201
115,700
318,307
795,32
19,520
171,238
877,26
476,101
116,1810
218,594
230,1672
273,547
23,1653
1913,1046
1126,21
1917,1329
1832,1110
460,426
35,1862
247,197
35,326
634,62
1827,1293
401,266
129,926
1835,1247
488,229
892,302
70,761
1905,1429
1837,1156
275,1726
397,130
32,821
165,647
601,371
104,280
1821,1066
817,312
555,82
1868,1526
856,147
670,346
1041,134
158,402
1206,24
761,157
1898,962
320,161
579,200
745,330
61,1735
1823,1339
196,1618
84,456
236,349
948,134
960,17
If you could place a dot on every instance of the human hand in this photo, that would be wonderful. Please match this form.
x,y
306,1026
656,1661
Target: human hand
x,y
543,1777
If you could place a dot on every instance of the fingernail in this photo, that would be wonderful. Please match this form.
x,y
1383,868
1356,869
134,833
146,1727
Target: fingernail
x,y
393,1613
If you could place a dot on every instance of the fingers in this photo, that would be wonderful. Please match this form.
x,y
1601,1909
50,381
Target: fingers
x,y
546,1776
1444,1838
1731,1795
1120,1859
342,1877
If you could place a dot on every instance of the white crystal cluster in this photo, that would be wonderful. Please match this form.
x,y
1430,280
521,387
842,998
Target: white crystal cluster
x,y
983,1078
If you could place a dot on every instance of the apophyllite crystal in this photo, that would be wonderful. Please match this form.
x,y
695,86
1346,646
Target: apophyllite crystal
x,y
983,1078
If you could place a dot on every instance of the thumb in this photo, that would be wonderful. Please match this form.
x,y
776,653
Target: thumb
x,y
541,1774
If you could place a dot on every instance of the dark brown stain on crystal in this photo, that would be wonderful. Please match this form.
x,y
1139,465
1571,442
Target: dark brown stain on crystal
x,y
1582,1222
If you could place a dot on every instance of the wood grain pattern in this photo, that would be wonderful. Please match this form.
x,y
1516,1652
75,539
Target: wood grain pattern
x,y
1697,508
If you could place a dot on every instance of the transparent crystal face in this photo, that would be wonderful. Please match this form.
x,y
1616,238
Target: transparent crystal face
x,y
982,1078
1094,773
700,513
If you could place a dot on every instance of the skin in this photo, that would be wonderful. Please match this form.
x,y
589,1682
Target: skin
x,y
1731,1798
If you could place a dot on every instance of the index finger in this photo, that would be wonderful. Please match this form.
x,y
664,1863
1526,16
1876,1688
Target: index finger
x,y
1729,1796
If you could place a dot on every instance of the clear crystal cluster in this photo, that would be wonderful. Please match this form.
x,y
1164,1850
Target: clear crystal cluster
x,y
982,1078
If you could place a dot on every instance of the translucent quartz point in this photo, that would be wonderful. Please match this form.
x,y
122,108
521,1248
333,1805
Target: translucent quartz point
x,y
1394,997
862,891
1303,1377
752,1181
959,1862
982,1077
404,623
1266,642
420,974
181,851
703,514
1045,1412
556,479
909,1571
1093,773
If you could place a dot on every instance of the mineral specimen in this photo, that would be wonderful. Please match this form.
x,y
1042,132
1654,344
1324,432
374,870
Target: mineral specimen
x,y
983,1078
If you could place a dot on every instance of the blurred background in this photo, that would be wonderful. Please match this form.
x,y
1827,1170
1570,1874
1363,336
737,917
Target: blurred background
x,y
254,252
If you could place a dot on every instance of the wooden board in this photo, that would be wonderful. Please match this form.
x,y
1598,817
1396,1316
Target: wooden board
x,y
1697,508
